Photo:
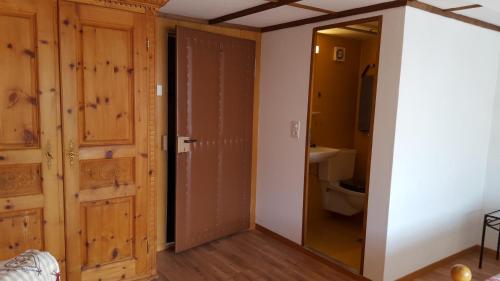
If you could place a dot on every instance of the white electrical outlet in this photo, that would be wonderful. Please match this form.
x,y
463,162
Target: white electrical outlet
x,y
295,129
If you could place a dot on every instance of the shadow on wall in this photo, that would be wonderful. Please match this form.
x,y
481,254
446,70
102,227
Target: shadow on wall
x,y
492,189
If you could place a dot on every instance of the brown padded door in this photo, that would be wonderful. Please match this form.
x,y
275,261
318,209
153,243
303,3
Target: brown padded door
x,y
215,76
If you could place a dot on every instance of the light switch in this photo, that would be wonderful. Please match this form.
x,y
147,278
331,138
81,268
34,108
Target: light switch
x,y
159,90
295,129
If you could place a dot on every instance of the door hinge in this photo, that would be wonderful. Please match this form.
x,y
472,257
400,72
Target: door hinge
x,y
148,44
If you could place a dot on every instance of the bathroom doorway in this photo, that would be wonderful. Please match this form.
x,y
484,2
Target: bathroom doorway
x,y
344,69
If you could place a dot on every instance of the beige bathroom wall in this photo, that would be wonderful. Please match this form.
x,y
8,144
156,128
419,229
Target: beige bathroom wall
x,y
335,97
334,93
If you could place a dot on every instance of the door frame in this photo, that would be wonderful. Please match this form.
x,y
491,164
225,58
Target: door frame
x,y
308,127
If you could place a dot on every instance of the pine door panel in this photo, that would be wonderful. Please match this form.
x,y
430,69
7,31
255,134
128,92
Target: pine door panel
x,y
31,208
108,85
103,173
20,179
108,241
25,231
105,113
19,81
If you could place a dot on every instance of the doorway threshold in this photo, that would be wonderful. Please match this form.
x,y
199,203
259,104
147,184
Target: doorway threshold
x,y
330,259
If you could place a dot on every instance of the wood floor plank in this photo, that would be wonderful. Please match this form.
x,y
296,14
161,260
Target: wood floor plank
x,y
248,256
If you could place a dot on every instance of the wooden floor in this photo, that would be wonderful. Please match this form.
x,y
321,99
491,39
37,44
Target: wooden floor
x,y
247,256
491,267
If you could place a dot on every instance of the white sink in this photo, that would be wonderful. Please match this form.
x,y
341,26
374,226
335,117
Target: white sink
x,y
320,153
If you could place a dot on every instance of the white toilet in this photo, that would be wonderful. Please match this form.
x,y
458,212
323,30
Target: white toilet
x,y
336,198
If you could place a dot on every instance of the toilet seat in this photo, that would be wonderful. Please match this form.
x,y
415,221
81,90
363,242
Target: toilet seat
x,y
337,187
337,198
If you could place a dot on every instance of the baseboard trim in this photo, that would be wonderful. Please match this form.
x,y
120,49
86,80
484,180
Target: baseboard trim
x,y
488,251
440,263
300,248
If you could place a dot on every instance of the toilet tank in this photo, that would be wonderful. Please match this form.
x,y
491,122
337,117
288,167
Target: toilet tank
x,y
339,167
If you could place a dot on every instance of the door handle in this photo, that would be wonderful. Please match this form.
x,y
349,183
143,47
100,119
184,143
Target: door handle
x,y
183,144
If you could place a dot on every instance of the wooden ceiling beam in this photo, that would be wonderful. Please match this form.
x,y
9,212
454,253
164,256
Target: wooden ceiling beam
x,y
448,14
311,8
252,10
336,15
306,7
463,8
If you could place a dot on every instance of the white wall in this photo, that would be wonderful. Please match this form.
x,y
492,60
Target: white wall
x,y
492,189
284,84
448,82
433,124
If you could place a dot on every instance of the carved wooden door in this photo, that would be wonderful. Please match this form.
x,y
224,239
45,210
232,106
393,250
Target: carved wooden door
x,y
104,66
31,205
215,76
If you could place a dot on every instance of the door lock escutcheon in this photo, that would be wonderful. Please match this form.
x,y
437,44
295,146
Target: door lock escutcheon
x,y
72,155
184,144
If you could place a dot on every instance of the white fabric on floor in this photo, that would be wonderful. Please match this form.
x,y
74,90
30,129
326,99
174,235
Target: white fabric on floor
x,y
31,265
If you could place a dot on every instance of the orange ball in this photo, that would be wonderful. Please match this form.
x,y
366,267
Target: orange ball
x,y
460,272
